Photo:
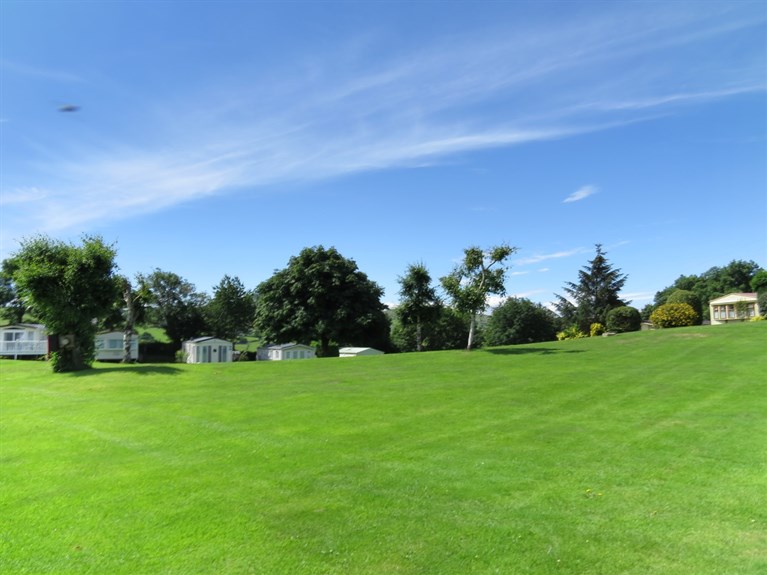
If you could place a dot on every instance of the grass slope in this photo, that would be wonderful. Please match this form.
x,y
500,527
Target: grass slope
x,y
643,454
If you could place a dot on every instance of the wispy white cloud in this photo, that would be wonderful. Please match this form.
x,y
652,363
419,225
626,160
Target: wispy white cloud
x,y
552,256
580,194
637,297
412,109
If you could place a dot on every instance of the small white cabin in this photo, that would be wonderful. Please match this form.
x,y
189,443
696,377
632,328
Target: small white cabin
x,y
23,340
208,350
285,351
358,351
110,346
734,307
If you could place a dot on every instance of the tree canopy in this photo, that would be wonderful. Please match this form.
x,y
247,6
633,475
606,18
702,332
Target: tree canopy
x,y
519,320
594,294
322,297
481,273
69,288
419,303
175,305
231,310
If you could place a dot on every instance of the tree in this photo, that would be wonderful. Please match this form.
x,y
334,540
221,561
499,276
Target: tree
x,y
519,320
13,308
595,294
758,283
69,289
321,296
419,303
481,274
231,311
175,305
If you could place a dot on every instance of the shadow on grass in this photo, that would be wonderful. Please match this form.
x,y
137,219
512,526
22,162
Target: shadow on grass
x,y
530,350
133,369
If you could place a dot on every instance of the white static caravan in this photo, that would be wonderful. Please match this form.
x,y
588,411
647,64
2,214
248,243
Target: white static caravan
x,y
285,351
23,340
734,307
358,351
208,350
110,346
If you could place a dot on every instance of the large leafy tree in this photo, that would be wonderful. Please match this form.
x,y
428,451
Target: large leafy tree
x,y
69,289
419,303
519,320
231,310
481,273
594,294
321,296
175,305
11,306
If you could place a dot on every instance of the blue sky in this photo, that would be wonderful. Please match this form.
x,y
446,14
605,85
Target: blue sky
x,y
223,137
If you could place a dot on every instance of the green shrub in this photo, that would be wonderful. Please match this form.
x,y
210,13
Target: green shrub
x,y
571,332
758,318
623,319
596,329
761,301
688,297
674,315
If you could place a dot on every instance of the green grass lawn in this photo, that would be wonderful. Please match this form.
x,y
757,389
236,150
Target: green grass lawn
x,y
644,453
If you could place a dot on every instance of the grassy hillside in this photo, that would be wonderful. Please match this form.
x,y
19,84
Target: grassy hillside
x,y
642,454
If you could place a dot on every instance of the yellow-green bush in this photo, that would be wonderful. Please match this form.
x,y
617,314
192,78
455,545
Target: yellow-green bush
x,y
597,329
571,332
674,315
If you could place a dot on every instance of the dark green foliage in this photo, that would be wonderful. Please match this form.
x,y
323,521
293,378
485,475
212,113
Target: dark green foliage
x,y
230,313
321,296
69,289
519,320
761,301
12,308
447,331
758,283
623,319
594,295
175,305
690,298
482,273
419,303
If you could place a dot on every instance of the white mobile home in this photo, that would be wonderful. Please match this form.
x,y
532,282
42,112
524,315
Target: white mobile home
x,y
110,346
734,307
285,351
208,350
23,340
358,351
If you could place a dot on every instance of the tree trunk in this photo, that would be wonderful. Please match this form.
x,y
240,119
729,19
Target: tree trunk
x,y
471,331
324,345
129,322
418,336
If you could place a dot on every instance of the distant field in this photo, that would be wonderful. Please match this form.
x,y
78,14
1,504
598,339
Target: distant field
x,y
642,454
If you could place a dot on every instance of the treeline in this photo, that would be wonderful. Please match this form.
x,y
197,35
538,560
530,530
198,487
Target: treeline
x,y
321,298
